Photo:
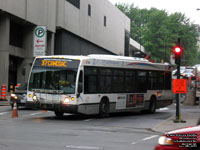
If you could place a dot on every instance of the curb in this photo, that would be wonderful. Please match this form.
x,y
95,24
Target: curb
x,y
155,129
169,125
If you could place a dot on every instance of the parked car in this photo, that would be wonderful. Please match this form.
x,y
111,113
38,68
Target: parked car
x,y
19,96
181,139
189,72
174,72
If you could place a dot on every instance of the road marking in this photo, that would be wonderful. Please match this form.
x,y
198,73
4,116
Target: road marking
x,y
33,114
162,109
83,147
3,113
151,137
36,113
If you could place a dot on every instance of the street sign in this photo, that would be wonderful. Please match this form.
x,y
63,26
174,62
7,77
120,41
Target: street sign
x,y
179,86
39,45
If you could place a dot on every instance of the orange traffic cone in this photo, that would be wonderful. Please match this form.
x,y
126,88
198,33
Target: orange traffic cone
x,y
14,112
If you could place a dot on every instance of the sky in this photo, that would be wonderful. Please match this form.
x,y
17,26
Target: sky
x,y
187,7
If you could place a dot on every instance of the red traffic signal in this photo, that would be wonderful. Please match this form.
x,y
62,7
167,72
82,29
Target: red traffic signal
x,y
177,51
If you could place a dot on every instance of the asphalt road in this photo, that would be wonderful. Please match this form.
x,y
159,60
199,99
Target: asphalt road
x,y
38,130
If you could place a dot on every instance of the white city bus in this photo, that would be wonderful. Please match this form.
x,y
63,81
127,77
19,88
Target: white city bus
x,y
98,84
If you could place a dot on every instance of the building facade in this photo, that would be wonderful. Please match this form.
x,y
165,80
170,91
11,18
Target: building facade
x,y
74,27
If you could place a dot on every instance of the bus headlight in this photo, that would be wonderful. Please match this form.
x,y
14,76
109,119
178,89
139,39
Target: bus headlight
x,y
34,98
66,100
29,95
163,140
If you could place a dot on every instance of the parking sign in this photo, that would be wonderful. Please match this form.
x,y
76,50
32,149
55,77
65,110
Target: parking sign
x,y
39,45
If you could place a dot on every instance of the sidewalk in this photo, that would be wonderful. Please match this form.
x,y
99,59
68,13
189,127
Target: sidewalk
x,y
190,114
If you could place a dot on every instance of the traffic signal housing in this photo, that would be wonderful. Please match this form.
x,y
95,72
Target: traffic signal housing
x,y
177,50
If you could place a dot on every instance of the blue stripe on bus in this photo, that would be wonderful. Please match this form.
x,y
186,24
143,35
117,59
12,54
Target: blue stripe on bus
x,y
143,64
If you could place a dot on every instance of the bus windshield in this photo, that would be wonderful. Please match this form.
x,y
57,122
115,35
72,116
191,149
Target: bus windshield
x,y
52,77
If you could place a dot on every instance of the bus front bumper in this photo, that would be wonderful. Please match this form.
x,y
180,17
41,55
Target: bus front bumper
x,y
66,108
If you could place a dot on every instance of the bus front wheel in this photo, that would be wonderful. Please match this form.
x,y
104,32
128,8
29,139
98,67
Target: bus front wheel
x,y
104,108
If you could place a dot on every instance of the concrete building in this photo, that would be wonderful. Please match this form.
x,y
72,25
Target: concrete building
x,y
74,27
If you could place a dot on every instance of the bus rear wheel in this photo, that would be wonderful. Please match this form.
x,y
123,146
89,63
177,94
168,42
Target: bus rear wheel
x,y
58,113
104,108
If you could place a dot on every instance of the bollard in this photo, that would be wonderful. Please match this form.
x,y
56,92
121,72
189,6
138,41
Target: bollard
x,y
3,92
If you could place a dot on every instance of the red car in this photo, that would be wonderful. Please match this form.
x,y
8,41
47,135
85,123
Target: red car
x,y
182,139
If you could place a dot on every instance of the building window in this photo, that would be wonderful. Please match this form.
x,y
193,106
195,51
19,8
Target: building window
x,y
76,3
16,34
104,20
89,10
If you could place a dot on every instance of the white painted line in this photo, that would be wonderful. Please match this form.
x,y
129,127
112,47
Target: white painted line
x,y
83,147
33,114
162,109
2,113
151,137
36,113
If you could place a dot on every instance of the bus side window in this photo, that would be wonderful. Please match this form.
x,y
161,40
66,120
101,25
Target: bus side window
x,y
80,82
141,81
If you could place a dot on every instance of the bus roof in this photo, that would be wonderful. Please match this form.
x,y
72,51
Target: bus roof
x,y
97,56
102,57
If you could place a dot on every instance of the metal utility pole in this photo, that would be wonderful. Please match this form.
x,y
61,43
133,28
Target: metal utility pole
x,y
178,54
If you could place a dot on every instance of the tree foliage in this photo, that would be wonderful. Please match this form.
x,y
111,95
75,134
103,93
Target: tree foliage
x,y
159,31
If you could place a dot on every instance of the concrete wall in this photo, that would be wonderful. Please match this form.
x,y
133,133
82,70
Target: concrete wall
x,y
92,27
39,12
67,43
4,53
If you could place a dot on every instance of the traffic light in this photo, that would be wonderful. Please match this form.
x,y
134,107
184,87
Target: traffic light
x,y
178,53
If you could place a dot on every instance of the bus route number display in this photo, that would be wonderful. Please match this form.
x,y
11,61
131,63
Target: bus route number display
x,y
179,86
54,63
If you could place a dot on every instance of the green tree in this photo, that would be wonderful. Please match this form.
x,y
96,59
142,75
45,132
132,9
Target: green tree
x,y
158,32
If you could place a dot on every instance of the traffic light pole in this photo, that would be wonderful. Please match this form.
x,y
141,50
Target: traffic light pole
x,y
178,114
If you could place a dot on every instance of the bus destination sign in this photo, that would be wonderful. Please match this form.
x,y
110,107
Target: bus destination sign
x,y
54,63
